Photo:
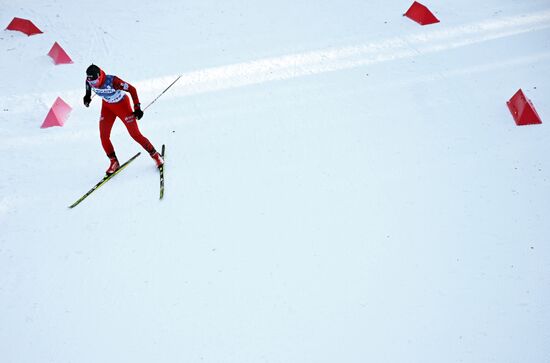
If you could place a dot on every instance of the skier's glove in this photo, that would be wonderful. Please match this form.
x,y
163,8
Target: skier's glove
x,y
137,111
87,100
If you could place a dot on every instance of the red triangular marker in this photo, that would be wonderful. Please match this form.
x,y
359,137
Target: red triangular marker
x,y
421,14
58,55
522,110
58,114
24,26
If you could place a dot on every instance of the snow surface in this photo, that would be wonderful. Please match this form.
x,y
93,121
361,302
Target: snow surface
x,y
342,184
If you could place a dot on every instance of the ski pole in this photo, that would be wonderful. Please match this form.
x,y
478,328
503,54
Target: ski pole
x,y
166,89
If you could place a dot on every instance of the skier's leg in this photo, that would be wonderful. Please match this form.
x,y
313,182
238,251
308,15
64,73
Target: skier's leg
x,y
133,129
106,122
124,111
134,132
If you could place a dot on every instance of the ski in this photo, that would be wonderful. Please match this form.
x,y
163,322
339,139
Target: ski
x,y
105,179
161,170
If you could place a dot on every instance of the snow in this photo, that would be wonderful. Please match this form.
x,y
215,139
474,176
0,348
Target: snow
x,y
342,184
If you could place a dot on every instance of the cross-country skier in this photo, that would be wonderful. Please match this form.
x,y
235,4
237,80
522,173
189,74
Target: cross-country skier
x,y
116,103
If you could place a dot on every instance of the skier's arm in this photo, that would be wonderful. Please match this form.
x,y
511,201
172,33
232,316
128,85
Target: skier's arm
x,y
125,86
88,96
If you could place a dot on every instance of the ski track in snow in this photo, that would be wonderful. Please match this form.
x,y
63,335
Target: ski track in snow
x,y
314,62
298,65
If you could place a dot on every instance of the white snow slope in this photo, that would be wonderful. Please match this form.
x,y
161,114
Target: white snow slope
x,y
342,184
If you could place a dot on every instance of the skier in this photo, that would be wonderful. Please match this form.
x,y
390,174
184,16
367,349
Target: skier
x,y
116,103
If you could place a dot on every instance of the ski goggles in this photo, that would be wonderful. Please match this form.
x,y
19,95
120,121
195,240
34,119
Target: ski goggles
x,y
93,79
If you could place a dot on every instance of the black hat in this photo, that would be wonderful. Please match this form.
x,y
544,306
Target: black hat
x,y
93,72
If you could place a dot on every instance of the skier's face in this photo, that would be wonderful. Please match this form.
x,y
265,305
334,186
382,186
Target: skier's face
x,y
93,79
